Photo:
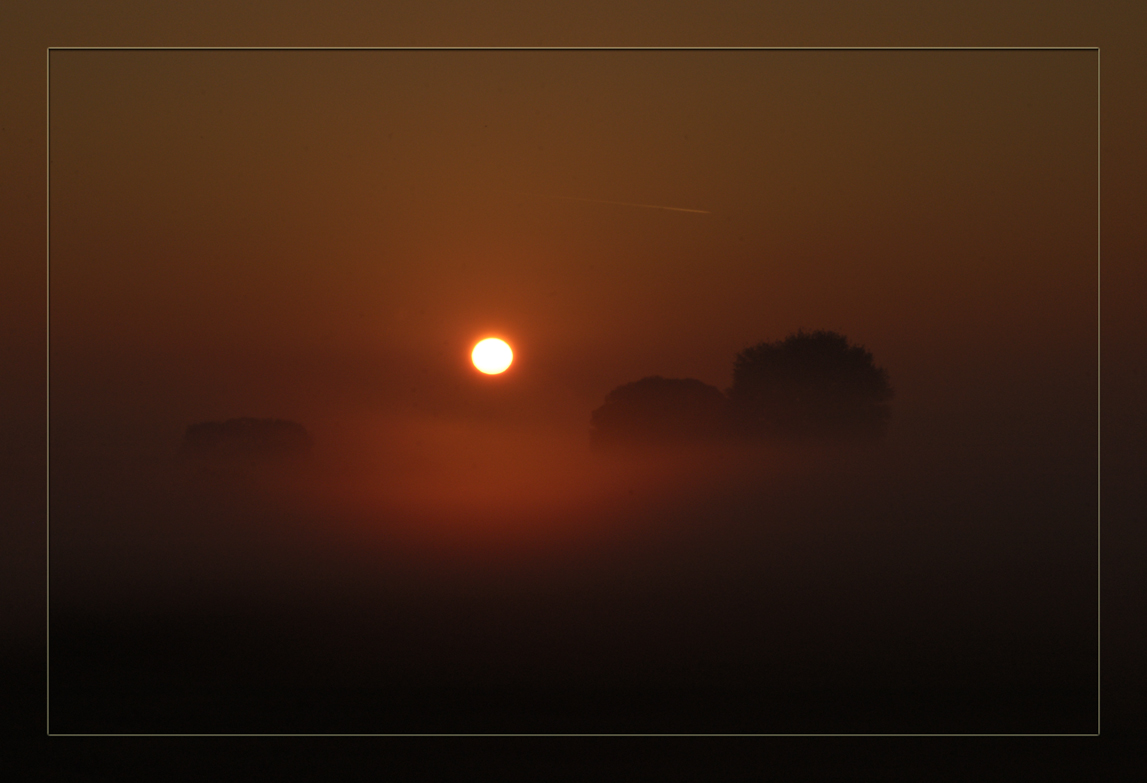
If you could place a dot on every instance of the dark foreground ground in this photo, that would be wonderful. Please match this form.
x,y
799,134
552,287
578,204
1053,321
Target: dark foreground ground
x,y
151,694
865,600
854,600
214,675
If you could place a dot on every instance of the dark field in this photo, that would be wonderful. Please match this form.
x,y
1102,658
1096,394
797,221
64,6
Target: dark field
x,y
820,590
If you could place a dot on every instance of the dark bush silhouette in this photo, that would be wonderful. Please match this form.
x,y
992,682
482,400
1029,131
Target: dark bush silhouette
x,y
813,384
659,411
246,440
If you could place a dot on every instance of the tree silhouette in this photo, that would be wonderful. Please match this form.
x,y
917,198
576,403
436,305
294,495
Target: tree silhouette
x,y
813,384
659,411
245,440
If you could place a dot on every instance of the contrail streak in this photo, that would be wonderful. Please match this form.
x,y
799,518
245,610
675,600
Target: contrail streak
x,y
618,203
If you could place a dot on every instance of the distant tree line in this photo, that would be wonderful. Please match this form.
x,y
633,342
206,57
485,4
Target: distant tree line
x,y
809,385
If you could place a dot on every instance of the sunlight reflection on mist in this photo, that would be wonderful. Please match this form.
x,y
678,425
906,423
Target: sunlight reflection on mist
x,y
478,478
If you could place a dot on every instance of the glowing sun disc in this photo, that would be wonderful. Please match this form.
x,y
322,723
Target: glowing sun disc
x,y
492,356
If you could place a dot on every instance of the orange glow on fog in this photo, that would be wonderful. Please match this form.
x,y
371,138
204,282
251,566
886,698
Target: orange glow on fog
x,y
489,490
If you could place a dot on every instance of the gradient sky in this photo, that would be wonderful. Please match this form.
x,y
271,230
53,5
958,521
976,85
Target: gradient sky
x,y
286,230
322,235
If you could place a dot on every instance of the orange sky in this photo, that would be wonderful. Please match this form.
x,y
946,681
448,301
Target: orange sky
x,y
324,235
285,233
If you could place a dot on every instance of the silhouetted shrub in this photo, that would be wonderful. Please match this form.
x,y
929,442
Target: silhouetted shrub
x,y
659,410
245,440
812,384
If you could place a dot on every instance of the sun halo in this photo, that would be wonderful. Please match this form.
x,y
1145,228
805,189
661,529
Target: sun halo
x,y
492,356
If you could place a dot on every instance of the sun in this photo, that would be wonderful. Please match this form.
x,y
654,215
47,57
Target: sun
x,y
492,356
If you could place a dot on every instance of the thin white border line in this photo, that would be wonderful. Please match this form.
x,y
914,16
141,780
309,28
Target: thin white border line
x,y
1098,391
47,364
581,48
47,387
567,734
